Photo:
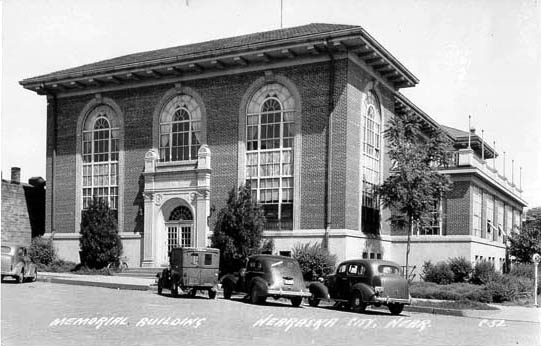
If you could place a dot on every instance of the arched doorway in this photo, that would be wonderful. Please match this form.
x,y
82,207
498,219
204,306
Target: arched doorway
x,y
179,227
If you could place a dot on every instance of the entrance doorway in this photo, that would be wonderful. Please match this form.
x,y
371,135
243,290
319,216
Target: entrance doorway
x,y
179,228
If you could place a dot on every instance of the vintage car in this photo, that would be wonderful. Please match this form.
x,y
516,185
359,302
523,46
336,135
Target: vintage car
x,y
359,283
267,276
191,270
17,264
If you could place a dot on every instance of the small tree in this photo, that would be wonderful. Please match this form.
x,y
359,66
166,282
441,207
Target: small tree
x,y
415,186
527,241
239,229
314,260
100,243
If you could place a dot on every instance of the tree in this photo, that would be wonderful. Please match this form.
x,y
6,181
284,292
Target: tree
x,y
414,186
100,243
527,241
239,229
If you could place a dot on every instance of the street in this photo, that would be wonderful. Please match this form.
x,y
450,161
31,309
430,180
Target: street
x,y
42,313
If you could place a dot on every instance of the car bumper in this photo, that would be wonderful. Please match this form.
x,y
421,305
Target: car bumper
x,y
388,300
286,294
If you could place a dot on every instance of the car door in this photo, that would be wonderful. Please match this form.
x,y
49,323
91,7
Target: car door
x,y
341,284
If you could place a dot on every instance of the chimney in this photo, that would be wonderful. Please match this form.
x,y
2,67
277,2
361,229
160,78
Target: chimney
x,y
15,175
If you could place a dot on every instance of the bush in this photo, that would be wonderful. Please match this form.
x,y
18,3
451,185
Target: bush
x,y
57,266
100,242
440,273
455,291
461,268
527,271
483,273
509,288
314,260
42,251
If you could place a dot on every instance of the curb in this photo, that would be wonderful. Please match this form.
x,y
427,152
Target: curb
x,y
113,285
435,311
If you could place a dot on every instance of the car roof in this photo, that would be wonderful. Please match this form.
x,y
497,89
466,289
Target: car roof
x,y
370,262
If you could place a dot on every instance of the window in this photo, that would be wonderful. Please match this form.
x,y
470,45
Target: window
x,y
477,208
208,259
365,255
371,164
195,259
180,129
489,214
353,269
500,218
342,268
432,222
508,220
269,153
100,153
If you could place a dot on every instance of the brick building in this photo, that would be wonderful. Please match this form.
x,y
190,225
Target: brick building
x,y
23,209
164,135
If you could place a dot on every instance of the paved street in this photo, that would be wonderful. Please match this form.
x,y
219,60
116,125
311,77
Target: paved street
x,y
54,314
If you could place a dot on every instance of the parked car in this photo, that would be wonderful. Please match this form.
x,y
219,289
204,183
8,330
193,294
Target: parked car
x,y
191,270
17,264
359,283
268,276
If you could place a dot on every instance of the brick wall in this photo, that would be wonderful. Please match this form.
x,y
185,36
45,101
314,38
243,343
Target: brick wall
x,y
16,218
222,98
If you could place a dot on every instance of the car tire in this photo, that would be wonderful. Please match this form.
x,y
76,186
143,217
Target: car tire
x,y
160,287
396,309
356,302
255,297
313,301
228,290
35,276
212,293
192,293
174,290
296,301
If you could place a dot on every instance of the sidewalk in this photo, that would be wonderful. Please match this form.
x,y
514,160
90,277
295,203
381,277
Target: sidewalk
x,y
508,313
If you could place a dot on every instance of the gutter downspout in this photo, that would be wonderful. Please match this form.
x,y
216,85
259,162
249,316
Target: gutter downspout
x,y
53,163
328,190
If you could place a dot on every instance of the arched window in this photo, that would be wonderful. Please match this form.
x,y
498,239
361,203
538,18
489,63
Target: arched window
x,y
180,228
269,153
100,157
371,163
180,129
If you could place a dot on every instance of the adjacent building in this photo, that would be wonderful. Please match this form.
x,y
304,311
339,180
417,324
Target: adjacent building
x,y
299,112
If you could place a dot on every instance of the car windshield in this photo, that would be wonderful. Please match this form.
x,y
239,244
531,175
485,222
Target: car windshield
x,y
387,269
6,249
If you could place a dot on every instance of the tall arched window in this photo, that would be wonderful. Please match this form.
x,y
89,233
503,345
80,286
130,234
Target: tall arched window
x,y
100,157
180,129
180,228
371,159
269,153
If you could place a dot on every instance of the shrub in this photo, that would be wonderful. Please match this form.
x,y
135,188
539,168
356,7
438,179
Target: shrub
x,y
57,266
483,272
455,291
42,251
527,271
100,242
461,268
509,288
440,273
314,260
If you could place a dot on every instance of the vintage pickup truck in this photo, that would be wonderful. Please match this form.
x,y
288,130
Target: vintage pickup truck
x,y
191,270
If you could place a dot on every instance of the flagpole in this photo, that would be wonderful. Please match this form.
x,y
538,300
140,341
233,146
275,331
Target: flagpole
x,y
469,131
483,145
281,11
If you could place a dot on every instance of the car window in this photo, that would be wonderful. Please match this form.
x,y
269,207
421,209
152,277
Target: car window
x,y
6,249
208,259
195,258
21,252
342,269
352,270
387,269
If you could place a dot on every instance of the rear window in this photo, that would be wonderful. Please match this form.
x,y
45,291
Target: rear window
x,y
283,266
6,249
208,259
386,269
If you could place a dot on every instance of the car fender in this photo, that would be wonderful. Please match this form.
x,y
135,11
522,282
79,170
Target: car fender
x,y
319,290
19,268
366,291
261,285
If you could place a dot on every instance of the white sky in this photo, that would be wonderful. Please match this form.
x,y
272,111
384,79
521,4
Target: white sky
x,y
472,57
